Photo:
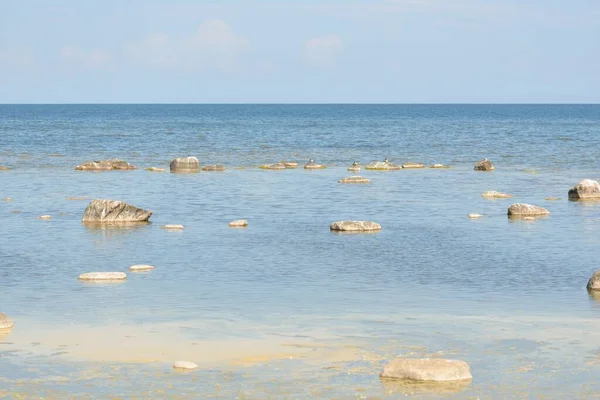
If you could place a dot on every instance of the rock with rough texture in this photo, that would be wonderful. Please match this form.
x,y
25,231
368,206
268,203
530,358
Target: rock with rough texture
x,y
427,369
103,276
113,211
587,189
354,179
413,165
382,166
522,209
3,168
492,194
184,365
475,216
355,226
594,282
439,166
172,227
240,223
6,322
155,169
484,165
289,164
313,165
185,165
105,165
141,267
276,166
213,168
45,217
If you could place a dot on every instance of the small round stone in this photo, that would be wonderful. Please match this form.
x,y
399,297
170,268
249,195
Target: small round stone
x,y
172,227
141,267
184,365
103,276
5,322
240,223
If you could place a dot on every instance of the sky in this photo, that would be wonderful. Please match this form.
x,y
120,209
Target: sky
x,y
300,51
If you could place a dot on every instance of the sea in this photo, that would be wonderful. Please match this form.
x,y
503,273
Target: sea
x,y
285,308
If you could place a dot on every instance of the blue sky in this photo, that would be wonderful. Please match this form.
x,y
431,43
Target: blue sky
x,y
351,51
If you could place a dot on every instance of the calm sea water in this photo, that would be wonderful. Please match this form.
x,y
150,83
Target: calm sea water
x,y
285,308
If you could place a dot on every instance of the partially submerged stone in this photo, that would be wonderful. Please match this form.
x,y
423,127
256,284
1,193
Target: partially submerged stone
x,y
113,211
439,166
475,216
77,198
7,199
185,165
240,223
45,217
103,276
383,166
213,168
184,365
141,267
3,168
105,165
289,164
355,226
354,169
6,322
522,209
594,281
354,179
484,165
587,189
413,165
155,169
492,194
276,166
172,227
552,198
427,369
313,165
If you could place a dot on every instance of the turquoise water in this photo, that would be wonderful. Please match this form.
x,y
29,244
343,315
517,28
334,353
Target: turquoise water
x,y
506,296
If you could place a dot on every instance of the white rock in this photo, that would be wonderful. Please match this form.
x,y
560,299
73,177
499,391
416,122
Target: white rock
x,y
184,365
103,276
475,216
141,267
172,227
240,223
355,226
492,194
5,322
46,217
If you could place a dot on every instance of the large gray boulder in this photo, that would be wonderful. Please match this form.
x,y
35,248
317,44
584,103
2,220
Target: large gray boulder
x,y
484,165
355,226
105,165
185,165
427,369
107,211
522,209
587,189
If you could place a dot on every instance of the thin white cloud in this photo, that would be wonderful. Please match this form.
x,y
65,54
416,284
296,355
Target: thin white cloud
x,y
96,59
323,51
213,45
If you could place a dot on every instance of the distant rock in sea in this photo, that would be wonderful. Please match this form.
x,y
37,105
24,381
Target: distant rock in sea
x,y
240,223
439,166
409,165
383,166
492,194
355,226
354,179
213,168
552,198
105,165
45,217
172,227
141,268
103,276
313,165
6,322
594,281
3,168
427,369
587,189
475,216
184,365
289,164
276,166
185,165
108,211
484,165
155,169
522,209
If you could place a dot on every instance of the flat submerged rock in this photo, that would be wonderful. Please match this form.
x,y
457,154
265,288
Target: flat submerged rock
x,y
276,166
103,276
355,226
410,165
172,227
155,169
314,165
475,216
492,194
383,166
427,369
240,223
6,322
105,165
184,365
213,168
354,179
141,267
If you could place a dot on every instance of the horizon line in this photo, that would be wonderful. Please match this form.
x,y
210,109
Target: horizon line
x,y
303,103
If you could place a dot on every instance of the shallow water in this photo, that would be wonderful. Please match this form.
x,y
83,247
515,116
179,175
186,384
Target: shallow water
x,y
285,308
